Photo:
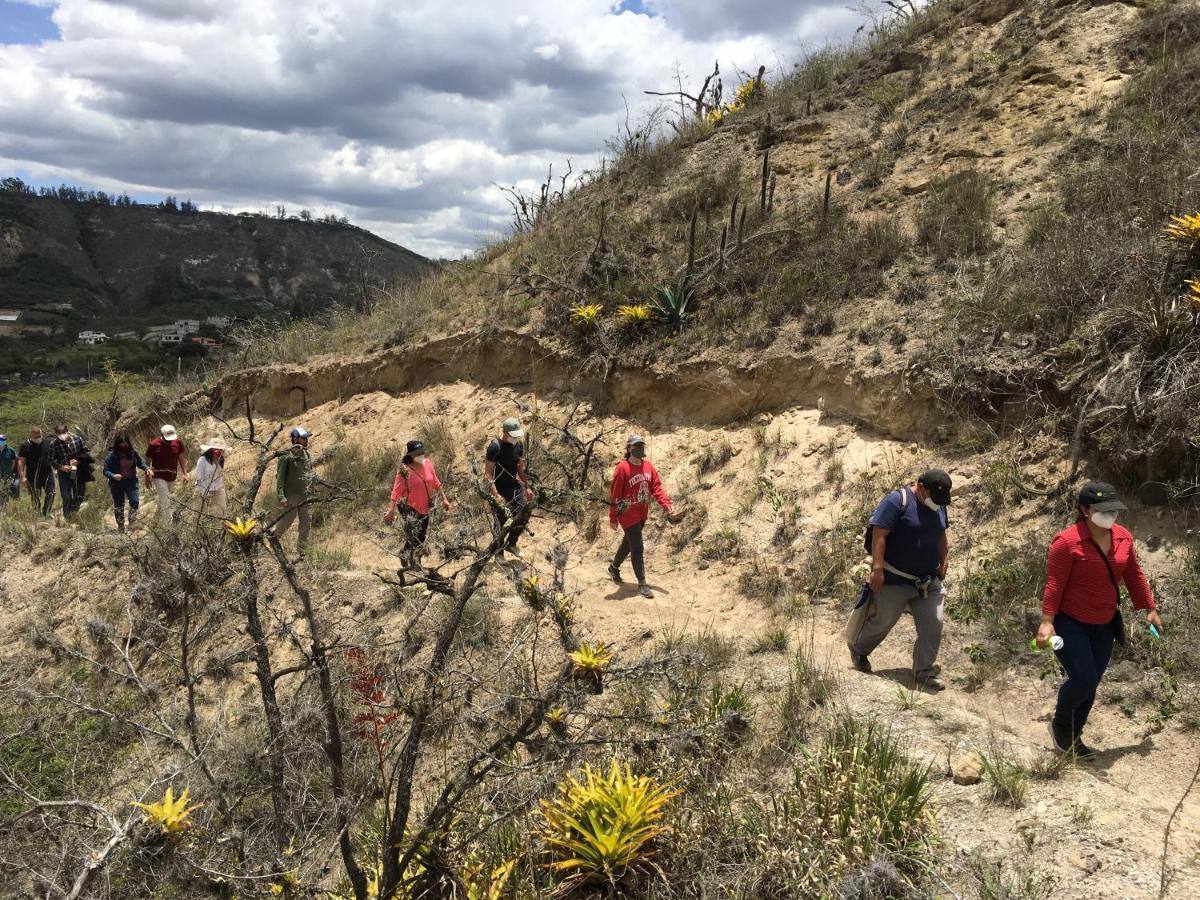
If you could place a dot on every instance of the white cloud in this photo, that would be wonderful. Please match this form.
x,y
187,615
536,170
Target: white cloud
x,y
400,115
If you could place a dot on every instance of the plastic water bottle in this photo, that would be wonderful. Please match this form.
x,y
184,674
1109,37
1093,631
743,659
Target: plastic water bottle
x,y
1055,643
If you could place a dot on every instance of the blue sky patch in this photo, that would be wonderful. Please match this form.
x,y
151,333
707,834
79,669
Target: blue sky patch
x,y
21,23
633,6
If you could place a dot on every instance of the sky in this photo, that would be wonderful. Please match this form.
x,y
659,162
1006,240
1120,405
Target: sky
x,y
403,115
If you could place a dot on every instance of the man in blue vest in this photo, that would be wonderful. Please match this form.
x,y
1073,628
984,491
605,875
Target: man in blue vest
x,y
908,563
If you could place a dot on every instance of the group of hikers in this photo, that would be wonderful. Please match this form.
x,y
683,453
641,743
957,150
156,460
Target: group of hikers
x,y
906,538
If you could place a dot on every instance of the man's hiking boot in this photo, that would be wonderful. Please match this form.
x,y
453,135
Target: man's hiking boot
x,y
931,684
514,553
644,590
615,574
1082,750
860,662
1060,738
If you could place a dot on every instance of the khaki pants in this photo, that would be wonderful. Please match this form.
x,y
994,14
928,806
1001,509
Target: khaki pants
x,y
295,507
166,513
871,623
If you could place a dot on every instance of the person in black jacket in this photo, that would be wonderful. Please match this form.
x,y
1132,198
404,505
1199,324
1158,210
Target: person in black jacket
x,y
37,476
65,452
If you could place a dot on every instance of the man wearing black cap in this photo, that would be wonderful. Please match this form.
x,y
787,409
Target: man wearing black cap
x,y
908,562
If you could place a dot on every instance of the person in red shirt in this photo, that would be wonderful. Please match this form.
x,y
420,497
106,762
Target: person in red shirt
x,y
1088,561
634,482
167,458
415,484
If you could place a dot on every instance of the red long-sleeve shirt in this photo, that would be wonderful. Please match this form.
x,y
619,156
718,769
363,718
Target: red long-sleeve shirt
x,y
1077,582
415,485
633,484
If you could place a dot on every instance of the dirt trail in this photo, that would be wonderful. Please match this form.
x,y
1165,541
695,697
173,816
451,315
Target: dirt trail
x,y
1096,832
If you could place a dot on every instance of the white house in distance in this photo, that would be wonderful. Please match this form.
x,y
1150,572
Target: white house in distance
x,y
219,321
9,315
92,337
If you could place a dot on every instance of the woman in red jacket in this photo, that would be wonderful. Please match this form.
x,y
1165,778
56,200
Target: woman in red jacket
x,y
1088,561
634,482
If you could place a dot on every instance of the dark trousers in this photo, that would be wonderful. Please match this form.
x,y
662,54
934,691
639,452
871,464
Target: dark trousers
x,y
1085,653
123,491
513,506
632,546
41,492
71,492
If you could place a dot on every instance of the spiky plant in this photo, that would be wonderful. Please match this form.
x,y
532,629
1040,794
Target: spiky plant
x,y
1184,232
586,316
602,827
672,303
171,813
242,529
634,315
591,658
1194,291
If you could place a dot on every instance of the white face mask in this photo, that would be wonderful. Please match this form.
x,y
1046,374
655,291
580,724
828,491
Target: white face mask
x,y
1104,520
928,501
418,460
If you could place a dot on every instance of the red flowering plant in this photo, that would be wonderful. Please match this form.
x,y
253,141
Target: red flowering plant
x,y
374,712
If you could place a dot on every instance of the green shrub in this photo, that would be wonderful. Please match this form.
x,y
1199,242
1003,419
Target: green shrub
x,y
955,220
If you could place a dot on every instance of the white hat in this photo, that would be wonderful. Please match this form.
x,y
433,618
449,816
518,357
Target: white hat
x,y
213,444
168,432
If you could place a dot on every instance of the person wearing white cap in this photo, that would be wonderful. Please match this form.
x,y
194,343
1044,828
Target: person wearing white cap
x,y
634,482
167,457
504,468
293,482
209,476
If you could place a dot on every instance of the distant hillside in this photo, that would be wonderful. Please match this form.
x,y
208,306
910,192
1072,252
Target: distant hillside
x,y
115,260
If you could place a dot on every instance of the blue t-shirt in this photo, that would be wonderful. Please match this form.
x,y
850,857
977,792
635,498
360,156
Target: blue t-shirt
x,y
914,541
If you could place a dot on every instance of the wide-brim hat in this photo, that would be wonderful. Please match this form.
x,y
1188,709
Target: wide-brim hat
x,y
214,444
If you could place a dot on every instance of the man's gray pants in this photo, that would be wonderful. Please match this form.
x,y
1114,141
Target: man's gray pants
x,y
871,623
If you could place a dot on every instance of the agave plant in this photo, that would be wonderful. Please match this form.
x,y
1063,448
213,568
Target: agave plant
x,y
586,316
171,813
1184,231
672,303
1194,294
634,315
603,826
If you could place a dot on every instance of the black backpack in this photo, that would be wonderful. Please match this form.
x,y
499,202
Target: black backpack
x,y
869,536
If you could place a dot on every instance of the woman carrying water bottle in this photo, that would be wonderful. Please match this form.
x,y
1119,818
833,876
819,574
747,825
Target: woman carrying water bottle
x,y
1088,561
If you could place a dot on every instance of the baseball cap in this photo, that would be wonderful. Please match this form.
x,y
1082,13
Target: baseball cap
x,y
938,484
1101,496
634,439
512,427
300,432
168,432
3,439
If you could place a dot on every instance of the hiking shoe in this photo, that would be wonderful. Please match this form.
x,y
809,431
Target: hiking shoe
x,y
1082,750
644,590
860,662
615,575
931,684
515,554
1060,738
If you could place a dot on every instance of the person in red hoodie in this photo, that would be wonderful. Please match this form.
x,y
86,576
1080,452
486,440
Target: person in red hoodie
x,y
634,482
1088,561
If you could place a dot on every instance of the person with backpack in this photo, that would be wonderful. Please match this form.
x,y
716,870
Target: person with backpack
x,y
33,463
906,537
415,484
121,470
167,457
634,482
209,477
1088,562
508,484
66,453
293,485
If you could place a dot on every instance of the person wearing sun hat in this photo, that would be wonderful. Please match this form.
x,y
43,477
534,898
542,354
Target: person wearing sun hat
x,y
909,552
209,476
1088,562
504,469
167,457
414,486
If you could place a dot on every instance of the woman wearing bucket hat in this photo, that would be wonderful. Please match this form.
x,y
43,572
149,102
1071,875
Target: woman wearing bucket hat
x,y
415,484
634,482
209,476
1087,563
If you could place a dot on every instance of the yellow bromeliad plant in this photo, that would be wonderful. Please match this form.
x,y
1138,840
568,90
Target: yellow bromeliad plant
x,y
591,657
603,827
1194,294
586,315
1184,231
171,813
242,529
634,314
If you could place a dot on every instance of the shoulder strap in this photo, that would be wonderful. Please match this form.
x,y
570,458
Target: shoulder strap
x,y
1108,568
903,499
